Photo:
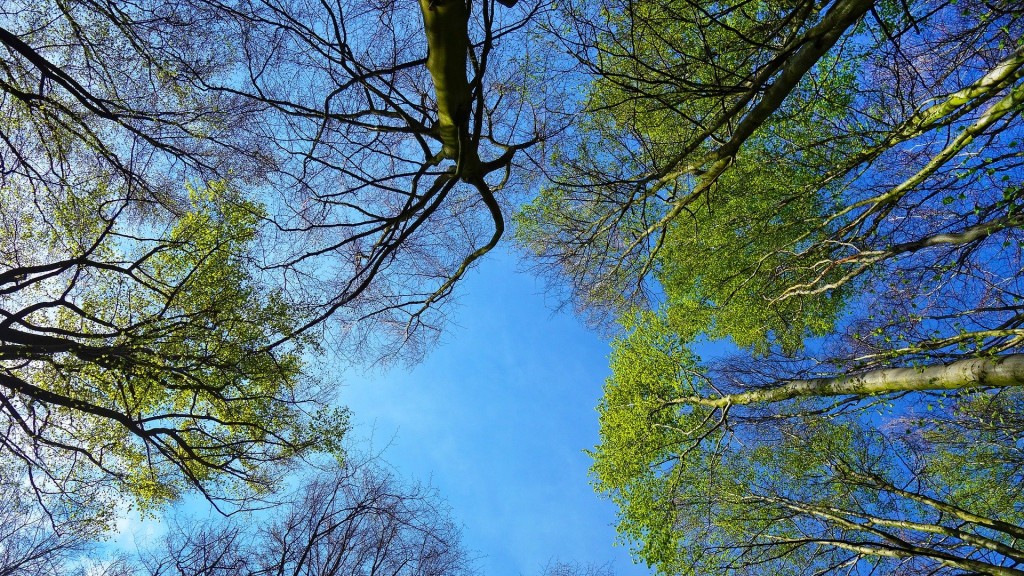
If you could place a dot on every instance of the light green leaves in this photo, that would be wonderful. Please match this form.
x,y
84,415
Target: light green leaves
x,y
170,365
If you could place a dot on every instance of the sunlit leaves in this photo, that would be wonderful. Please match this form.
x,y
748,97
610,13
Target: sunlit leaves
x,y
168,369
704,491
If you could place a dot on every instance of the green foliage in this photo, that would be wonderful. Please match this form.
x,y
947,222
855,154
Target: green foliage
x,y
827,222
724,265
175,368
640,434
677,474
699,493
665,72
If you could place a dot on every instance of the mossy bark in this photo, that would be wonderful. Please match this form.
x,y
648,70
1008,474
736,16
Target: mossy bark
x,y
446,25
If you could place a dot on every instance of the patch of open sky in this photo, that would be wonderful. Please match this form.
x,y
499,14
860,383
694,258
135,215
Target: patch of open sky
x,y
497,418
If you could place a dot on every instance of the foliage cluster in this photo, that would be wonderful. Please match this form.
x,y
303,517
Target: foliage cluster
x,y
832,191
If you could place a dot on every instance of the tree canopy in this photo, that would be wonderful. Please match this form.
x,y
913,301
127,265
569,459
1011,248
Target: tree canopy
x,y
201,197
833,188
34,542
344,519
143,355
806,485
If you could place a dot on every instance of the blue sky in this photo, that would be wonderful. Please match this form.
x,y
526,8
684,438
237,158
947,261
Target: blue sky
x,y
497,418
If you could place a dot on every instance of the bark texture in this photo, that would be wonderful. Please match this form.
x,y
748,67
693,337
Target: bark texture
x,y
998,372
445,23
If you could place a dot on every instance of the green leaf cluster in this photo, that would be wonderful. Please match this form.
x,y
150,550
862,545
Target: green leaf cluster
x,y
180,368
702,493
725,265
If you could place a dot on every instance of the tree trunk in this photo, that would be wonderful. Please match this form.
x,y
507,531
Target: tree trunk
x,y
998,372
445,23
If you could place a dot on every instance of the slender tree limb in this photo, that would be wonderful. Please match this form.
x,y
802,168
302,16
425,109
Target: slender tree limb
x,y
999,372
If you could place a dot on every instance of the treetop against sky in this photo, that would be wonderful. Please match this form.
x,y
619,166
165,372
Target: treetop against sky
x,y
224,203
835,190
206,203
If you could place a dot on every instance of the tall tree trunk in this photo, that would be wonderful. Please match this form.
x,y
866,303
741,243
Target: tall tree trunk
x,y
445,23
998,372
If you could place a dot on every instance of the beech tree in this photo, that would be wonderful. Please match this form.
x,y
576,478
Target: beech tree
x,y
803,484
774,172
152,366
198,196
832,188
